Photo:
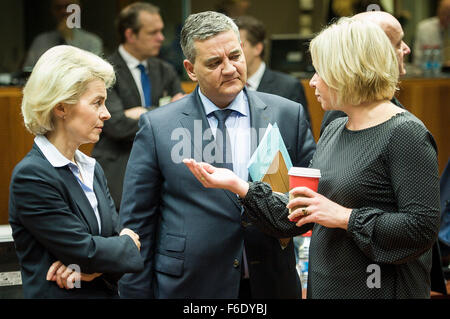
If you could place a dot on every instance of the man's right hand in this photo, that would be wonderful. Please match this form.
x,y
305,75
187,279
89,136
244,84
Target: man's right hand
x,y
135,112
133,235
214,177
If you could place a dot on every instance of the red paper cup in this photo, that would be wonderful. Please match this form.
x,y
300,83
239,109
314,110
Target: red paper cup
x,y
302,176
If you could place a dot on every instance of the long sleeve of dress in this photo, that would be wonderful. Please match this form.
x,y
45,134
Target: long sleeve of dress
x,y
267,210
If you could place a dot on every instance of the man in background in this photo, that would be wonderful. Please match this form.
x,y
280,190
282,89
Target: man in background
x,y
143,83
63,34
259,76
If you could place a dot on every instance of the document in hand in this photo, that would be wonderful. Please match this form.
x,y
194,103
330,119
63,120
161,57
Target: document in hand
x,y
271,162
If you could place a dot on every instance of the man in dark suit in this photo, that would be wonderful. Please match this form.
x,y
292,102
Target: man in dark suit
x,y
195,241
143,83
259,76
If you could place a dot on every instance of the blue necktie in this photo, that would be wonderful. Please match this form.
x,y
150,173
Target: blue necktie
x,y
146,86
223,144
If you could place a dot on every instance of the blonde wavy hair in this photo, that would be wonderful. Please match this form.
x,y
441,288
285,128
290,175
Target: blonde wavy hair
x,y
61,75
355,58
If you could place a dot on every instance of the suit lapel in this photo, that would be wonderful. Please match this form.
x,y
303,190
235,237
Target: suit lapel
x,y
265,81
123,73
196,123
103,205
155,81
260,118
78,195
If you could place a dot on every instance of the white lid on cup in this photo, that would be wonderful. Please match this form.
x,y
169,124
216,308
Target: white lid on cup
x,y
305,172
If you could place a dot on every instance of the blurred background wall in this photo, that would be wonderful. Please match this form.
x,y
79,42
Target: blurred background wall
x,y
22,20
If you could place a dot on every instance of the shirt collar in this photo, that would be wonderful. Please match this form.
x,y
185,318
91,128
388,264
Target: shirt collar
x,y
54,156
130,60
239,104
255,79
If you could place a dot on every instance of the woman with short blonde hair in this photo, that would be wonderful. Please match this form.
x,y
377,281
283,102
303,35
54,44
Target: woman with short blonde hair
x,y
376,213
65,226
356,59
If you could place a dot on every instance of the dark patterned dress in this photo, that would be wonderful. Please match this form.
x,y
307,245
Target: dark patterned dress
x,y
388,174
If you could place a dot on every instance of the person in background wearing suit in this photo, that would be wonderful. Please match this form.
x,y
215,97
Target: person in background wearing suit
x,y
60,210
259,76
62,35
143,83
394,31
196,244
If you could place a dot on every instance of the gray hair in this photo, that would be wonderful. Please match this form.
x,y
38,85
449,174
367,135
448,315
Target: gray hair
x,y
202,26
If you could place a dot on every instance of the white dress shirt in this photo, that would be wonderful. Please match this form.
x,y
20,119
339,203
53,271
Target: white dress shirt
x,y
84,171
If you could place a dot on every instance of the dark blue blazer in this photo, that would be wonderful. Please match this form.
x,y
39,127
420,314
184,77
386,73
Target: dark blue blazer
x,y
193,237
52,219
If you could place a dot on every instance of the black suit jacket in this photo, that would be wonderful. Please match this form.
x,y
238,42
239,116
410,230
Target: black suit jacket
x,y
193,237
113,148
284,85
52,219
